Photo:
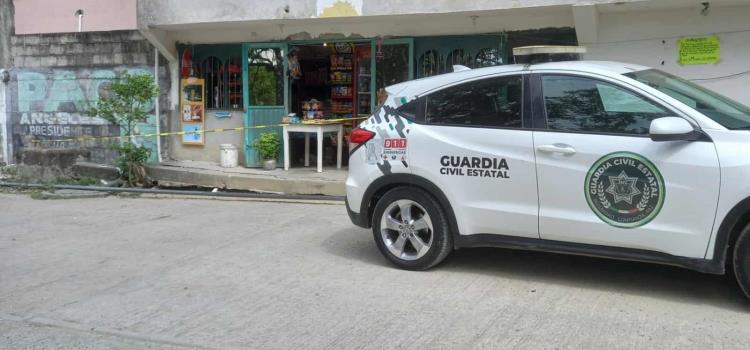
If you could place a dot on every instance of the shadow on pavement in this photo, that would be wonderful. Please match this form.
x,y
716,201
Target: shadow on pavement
x,y
355,244
650,280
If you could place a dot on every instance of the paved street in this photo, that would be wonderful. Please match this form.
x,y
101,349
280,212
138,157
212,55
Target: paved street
x,y
200,273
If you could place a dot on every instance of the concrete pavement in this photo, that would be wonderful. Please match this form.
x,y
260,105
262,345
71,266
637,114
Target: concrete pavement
x,y
218,274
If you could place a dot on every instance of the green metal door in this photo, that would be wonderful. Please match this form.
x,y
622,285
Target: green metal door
x,y
266,92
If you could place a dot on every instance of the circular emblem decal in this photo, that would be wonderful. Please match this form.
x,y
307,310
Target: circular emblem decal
x,y
624,189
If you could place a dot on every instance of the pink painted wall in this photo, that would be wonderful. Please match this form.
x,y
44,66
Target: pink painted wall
x,y
58,16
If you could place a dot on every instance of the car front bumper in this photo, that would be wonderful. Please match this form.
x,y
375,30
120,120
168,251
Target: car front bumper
x,y
356,218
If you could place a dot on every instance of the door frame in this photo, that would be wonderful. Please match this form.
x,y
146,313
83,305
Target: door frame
x,y
250,158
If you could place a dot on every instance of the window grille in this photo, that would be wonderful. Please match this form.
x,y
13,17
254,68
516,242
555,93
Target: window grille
x,y
215,79
488,57
223,82
430,63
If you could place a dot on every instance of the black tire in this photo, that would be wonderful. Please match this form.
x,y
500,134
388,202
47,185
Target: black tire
x,y
741,260
442,239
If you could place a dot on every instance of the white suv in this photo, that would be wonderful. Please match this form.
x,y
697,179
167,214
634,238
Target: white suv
x,y
593,158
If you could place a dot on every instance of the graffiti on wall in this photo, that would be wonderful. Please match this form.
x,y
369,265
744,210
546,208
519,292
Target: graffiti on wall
x,y
51,104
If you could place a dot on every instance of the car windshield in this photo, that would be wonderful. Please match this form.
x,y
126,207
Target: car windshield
x,y
723,110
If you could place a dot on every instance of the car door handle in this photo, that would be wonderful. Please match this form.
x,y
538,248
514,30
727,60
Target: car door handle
x,y
557,148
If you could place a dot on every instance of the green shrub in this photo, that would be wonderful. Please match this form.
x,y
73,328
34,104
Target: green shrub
x,y
267,145
125,106
130,162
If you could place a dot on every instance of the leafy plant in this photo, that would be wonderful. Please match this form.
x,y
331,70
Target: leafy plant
x,y
130,162
267,145
125,105
38,195
263,85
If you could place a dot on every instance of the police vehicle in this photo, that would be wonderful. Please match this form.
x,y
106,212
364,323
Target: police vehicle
x,y
592,158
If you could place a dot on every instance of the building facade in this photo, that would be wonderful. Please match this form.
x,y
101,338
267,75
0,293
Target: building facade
x,y
252,63
429,37
55,73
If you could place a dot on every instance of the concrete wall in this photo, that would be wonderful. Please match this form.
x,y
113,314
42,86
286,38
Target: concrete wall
x,y
6,62
370,27
177,12
4,149
56,79
652,41
6,30
210,151
58,16
165,22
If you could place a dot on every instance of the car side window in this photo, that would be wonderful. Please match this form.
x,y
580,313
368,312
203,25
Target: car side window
x,y
411,110
589,105
493,102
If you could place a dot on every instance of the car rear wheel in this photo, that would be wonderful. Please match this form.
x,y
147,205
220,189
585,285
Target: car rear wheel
x,y
741,260
410,229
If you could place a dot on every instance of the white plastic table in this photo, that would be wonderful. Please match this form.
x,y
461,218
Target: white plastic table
x,y
317,129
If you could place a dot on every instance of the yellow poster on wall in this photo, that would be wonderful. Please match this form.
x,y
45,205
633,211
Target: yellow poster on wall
x,y
699,50
192,111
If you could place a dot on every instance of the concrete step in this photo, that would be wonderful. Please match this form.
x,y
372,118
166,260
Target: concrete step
x,y
279,181
95,170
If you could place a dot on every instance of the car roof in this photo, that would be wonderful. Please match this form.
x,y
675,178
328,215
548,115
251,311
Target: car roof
x,y
417,87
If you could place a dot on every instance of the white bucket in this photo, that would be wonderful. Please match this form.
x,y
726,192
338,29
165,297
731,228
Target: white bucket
x,y
229,155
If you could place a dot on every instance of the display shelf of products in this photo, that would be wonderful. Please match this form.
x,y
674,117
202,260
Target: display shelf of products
x,y
342,82
341,107
362,80
342,92
341,77
341,61
235,85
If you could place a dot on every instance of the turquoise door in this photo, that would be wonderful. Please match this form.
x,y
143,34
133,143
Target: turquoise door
x,y
265,94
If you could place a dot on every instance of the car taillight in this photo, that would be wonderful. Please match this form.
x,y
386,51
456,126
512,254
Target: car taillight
x,y
361,136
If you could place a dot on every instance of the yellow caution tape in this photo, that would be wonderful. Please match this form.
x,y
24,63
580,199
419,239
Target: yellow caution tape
x,y
170,133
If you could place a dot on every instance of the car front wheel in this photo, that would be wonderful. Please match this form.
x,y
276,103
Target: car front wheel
x,y
410,229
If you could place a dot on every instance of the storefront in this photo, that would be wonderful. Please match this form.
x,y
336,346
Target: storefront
x,y
261,83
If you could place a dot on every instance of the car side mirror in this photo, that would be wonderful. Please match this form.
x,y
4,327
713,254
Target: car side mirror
x,y
673,129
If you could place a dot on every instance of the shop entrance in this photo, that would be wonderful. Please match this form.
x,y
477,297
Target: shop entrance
x,y
330,80
318,80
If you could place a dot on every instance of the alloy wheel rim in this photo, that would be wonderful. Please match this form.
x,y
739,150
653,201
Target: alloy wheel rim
x,y
406,229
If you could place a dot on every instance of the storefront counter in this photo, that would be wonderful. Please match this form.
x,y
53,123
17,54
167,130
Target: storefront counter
x,y
318,130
